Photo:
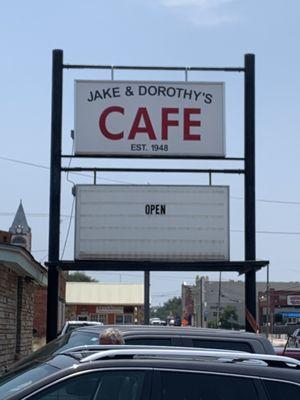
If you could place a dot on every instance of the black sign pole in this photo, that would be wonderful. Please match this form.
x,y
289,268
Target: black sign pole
x,y
146,297
55,186
250,234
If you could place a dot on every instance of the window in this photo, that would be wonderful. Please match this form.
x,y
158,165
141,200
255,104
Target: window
x,y
119,319
124,319
82,318
281,390
16,381
99,318
128,319
196,386
114,385
220,344
149,341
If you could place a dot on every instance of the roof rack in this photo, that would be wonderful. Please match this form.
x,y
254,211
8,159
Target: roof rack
x,y
212,355
106,347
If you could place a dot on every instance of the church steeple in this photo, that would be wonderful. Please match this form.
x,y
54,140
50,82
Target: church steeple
x,y
20,230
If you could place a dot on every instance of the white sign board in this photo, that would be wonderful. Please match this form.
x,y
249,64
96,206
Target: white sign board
x,y
293,300
149,118
152,222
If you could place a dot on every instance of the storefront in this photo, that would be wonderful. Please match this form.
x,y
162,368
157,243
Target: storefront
x,y
107,303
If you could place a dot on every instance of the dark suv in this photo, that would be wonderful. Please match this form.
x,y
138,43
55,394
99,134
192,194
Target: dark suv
x,y
156,336
176,336
156,374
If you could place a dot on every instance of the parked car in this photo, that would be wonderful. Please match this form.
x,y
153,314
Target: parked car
x,y
179,336
155,373
294,339
288,352
70,325
156,321
156,336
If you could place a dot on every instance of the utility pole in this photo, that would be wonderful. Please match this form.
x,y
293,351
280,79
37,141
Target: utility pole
x,y
268,303
219,300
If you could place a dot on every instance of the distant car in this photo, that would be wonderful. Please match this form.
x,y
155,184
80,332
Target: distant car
x,y
71,325
288,352
157,321
294,339
154,373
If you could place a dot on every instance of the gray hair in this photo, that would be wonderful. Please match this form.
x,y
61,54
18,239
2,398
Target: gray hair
x,y
111,336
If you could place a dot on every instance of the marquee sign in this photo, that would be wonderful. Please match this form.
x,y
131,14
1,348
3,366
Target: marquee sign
x,y
152,222
145,119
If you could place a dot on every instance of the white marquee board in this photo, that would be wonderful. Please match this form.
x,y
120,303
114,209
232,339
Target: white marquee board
x,y
152,222
133,118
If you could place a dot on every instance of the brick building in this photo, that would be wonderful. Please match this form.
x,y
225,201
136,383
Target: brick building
x,y
20,275
108,303
40,308
205,302
279,310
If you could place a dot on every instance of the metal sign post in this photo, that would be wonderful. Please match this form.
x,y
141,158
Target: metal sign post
x,y
250,233
55,188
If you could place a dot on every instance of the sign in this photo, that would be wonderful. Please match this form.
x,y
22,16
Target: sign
x,y
109,310
293,300
291,314
148,119
152,222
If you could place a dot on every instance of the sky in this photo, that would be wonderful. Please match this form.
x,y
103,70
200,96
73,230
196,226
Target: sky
x,y
160,33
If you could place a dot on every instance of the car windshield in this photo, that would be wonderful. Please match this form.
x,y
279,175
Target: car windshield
x,y
30,373
12,383
72,339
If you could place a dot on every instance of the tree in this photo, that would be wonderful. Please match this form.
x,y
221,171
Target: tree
x,y
80,277
172,306
229,317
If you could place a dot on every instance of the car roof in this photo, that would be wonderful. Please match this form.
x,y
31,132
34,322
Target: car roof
x,y
83,323
167,330
115,359
210,361
200,366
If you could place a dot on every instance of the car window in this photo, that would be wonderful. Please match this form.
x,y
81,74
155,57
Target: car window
x,y
149,341
282,390
109,385
225,345
30,373
14,382
72,339
78,338
196,386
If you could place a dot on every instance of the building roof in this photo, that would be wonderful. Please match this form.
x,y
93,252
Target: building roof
x,y
20,221
23,263
104,293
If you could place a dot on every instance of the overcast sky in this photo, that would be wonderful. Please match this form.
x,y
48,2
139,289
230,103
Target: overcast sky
x,y
167,33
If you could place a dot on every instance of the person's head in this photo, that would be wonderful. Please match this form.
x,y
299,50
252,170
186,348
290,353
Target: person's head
x,y
111,336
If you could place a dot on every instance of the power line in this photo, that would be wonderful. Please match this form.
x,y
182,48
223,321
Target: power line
x,y
24,163
269,232
48,168
269,201
118,181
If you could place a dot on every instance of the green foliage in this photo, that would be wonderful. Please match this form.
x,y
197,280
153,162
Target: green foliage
x,y
228,318
80,277
172,306
212,324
